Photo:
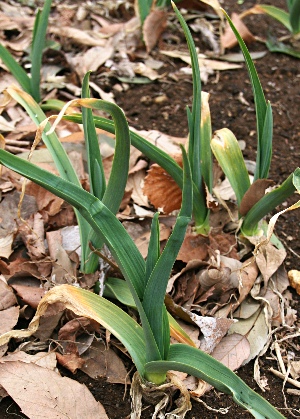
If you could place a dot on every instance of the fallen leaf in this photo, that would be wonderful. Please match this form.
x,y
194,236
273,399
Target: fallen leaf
x,y
194,247
36,389
30,295
213,330
268,260
6,245
255,329
63,269
161,188
32,233
154,25
43,359
232,351
46,200
295,369
79,36
100,361
7,296
228,39
254,194
9,318
135,184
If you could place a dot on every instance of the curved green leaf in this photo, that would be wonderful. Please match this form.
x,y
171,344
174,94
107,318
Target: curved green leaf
x,y
16,70
261,106
37,48
276,13
104,223
154,295
199,364
94,159
154,154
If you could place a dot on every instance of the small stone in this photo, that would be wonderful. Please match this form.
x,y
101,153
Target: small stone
x,y
161,99
294,278
146,100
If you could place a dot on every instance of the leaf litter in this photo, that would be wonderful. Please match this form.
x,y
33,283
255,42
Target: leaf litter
x,y
228,307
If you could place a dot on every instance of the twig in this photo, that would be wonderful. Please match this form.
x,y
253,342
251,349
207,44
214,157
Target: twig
x,y
283,377
279,357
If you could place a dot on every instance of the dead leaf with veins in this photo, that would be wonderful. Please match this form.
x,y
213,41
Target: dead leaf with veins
x,y
36,389
161,189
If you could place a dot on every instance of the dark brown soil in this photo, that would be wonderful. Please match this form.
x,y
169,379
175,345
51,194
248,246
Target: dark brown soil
x,y
280,77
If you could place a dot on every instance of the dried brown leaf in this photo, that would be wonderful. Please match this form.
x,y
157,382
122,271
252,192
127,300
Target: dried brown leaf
x,y
213,329
228,39
256,329
79,36
36,389
100,361
30,295
232,351
8,319
154,25
7,296
161,189
46,200
194,247
254,194
225,243
43,359
268,260
32,233
63,269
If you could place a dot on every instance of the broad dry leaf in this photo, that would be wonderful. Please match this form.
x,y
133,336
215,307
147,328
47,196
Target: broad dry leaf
x,y
8,319
256,330
6,245
295,369
205,63
79,36
100,361
32,233
254,194
228,39
167,143
247,308
135,184
194,247
161,188
30,295
46,200
91,60
43,359
232,351
268,260
63,269
7,296
154,25
43,393
213,329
